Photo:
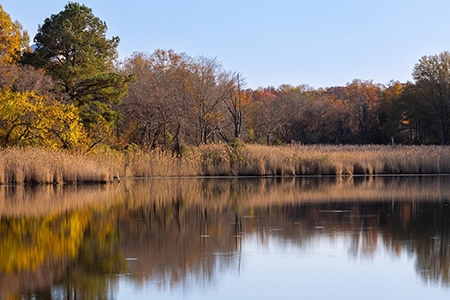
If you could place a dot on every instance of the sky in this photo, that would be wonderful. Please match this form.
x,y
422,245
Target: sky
x,y
321,43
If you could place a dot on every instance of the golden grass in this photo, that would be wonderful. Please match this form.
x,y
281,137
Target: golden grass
x,y
40,166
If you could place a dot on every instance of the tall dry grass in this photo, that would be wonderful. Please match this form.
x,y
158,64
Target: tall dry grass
x,y
344,160
40,166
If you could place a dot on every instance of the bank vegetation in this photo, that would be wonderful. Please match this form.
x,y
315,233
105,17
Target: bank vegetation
x,y
168,114
41,166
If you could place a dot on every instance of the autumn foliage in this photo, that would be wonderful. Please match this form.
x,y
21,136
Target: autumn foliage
x,y
75,94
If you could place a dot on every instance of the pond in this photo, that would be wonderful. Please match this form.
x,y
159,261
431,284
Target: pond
x,y
228,238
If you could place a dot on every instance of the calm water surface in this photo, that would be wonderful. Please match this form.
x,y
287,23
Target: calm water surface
x,y
304,238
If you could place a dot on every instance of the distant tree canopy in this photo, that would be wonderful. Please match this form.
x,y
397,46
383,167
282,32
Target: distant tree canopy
x,y
176,99
196,101
429,100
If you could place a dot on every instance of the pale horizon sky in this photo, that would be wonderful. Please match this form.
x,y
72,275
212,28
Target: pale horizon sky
x,y
320,43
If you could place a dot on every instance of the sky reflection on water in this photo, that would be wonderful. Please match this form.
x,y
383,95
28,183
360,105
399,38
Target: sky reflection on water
x,y
323,269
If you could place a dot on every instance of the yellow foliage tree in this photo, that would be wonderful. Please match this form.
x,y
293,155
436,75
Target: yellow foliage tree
x,y
27,119
13,40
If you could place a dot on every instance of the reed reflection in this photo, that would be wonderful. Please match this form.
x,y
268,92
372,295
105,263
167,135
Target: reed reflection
x,y
76,243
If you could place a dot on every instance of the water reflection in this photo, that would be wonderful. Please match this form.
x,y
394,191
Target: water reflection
x,y
80,243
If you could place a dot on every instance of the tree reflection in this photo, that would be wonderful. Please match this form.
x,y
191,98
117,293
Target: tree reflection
x,y
188,232
71,252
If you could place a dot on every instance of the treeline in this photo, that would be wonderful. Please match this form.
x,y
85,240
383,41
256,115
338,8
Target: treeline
x,y
71,92
176,97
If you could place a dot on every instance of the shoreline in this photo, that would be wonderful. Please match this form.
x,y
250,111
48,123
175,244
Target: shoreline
x,y
34,166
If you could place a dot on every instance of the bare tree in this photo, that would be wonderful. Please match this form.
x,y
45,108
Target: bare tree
x,y
235,104
207,88
152,109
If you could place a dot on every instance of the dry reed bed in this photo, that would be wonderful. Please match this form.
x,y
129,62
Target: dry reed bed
x,y
298,160
345,160
32,165
40,166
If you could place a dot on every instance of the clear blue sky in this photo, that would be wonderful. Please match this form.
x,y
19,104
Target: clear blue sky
x,y
321,43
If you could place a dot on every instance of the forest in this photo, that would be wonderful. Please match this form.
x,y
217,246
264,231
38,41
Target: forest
x,y
70,91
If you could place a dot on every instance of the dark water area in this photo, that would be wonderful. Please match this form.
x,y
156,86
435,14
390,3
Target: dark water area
x,y
235,238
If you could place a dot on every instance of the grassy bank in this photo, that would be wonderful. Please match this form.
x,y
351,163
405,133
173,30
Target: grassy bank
x,y
33,165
